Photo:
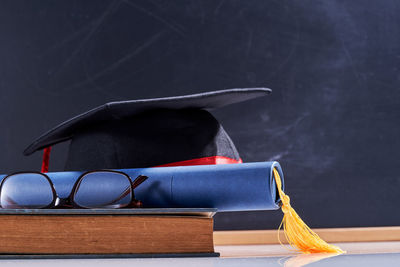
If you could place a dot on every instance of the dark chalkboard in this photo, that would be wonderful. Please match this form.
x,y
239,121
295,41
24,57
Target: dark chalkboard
x,y
332,120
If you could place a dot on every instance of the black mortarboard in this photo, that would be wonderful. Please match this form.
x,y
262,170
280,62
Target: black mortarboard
x,y
149,132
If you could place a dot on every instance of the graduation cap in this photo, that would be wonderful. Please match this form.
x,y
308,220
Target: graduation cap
x,y
169,131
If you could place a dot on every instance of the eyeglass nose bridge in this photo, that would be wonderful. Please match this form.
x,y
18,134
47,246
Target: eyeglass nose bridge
x,y
63,203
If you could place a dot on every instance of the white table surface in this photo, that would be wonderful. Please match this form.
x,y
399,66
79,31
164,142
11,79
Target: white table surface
x,y
359,254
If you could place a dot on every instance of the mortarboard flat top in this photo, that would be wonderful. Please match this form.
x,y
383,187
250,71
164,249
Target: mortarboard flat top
x,y
124,109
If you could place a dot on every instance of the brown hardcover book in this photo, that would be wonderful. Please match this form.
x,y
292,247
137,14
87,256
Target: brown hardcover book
x,y
106,232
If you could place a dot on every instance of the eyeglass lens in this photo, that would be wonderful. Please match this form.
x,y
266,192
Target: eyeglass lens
x,y
103,189
26,190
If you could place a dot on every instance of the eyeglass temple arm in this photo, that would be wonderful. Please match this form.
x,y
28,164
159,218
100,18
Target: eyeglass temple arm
x,y
140,179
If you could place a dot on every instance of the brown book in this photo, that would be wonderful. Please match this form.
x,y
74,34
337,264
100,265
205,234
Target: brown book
x,y
145,231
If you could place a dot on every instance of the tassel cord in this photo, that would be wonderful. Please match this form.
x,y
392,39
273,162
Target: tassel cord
x,y
297,233
45,160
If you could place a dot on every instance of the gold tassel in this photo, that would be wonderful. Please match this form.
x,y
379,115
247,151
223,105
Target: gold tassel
x,y
297,233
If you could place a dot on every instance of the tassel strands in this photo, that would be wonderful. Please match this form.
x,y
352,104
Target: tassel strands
x,y
297,233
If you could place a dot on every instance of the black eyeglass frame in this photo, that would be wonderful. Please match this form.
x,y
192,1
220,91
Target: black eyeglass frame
x,y
69,201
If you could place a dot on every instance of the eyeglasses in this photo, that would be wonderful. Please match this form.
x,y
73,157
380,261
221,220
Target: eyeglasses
x,y
93,189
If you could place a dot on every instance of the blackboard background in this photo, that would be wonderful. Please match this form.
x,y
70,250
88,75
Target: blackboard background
x,y
332,120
